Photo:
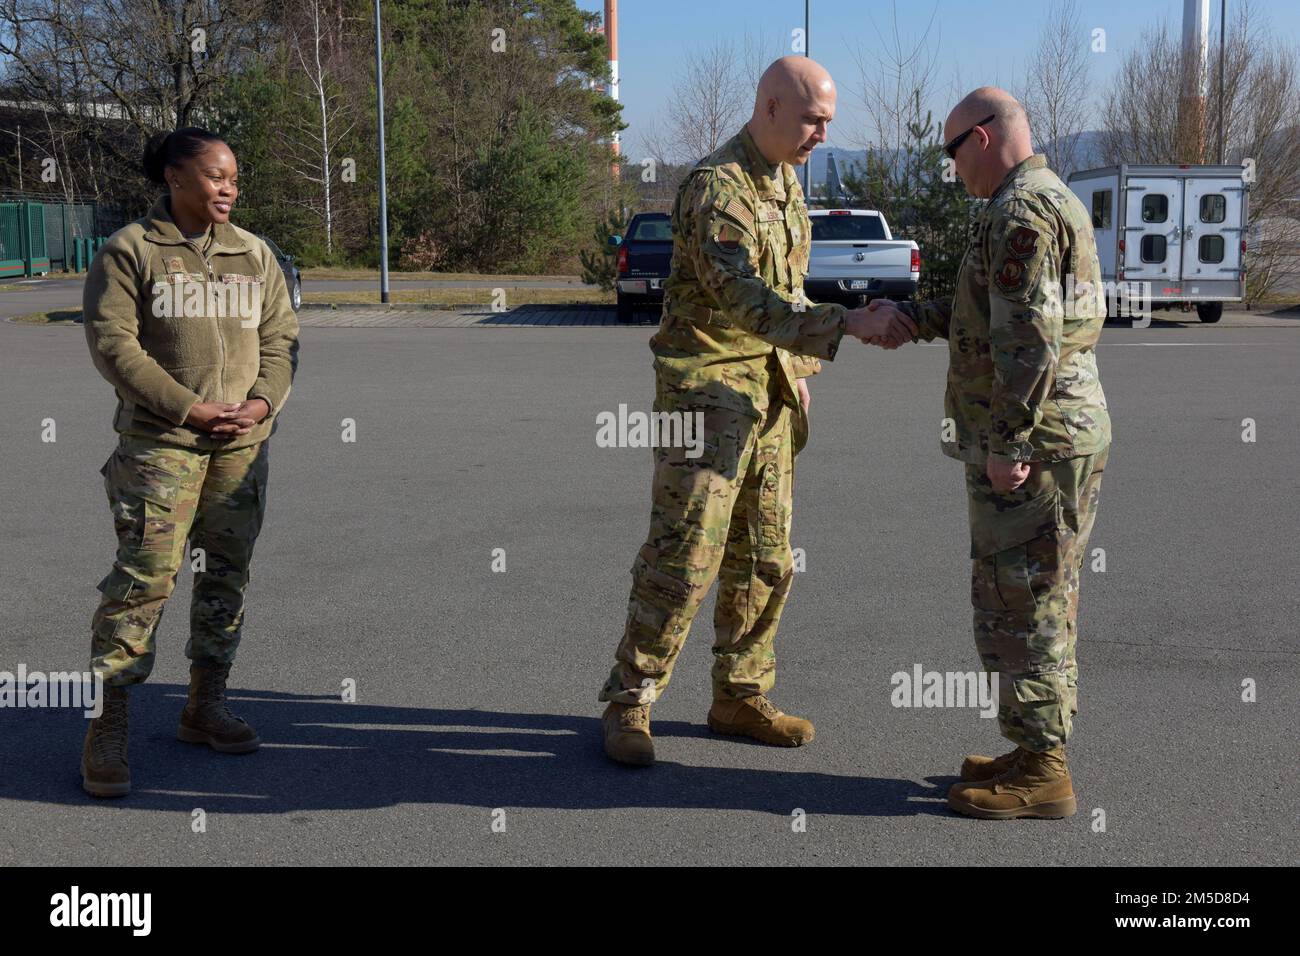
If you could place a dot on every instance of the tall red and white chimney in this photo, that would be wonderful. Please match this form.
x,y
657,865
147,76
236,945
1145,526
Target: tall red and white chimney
x,y
611,41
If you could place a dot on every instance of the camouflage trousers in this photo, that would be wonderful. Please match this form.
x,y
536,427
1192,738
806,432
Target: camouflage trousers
x,y
1028,549
162,495
724,515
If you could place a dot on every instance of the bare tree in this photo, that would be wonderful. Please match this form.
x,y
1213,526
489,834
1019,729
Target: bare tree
x,y
1259,99
894,86
658,191
149,62
315,132
710,99
708,102
108,74
757,52
1055,89
653,140
1140,109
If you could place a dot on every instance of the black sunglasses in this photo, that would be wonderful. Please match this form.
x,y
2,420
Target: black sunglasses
x,y
951,148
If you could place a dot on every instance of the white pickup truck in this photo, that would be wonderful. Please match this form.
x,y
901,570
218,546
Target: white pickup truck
x,y
853,257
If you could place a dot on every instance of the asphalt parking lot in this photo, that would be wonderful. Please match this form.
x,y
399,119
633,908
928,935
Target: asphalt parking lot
x,y
476,690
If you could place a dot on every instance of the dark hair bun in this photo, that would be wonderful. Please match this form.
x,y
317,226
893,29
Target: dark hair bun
x,y
155,155
171,149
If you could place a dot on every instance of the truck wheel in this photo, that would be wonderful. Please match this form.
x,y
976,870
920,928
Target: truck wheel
x,y
1209,311
625,311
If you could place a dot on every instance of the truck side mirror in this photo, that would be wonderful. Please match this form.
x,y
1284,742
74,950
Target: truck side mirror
x,y
615,241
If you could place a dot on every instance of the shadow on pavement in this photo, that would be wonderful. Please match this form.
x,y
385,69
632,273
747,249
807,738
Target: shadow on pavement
x,y
572,314
321,754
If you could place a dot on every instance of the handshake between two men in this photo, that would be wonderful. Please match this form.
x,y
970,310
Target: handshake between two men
x,y
880,323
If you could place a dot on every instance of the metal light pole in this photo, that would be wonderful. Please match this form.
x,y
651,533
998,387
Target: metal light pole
x,y
383,172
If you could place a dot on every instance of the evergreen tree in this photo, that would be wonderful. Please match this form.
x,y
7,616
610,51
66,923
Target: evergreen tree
x,y
916,189
599,264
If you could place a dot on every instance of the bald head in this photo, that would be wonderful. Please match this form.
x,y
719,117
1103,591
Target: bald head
x,y
995,146
795,77
984,102
794,104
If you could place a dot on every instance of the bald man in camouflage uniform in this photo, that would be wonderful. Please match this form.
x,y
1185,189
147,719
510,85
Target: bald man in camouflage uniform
x,y
1026,413
736,337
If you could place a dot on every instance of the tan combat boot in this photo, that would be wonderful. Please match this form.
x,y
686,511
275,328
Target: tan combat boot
x,y
627,734
979,767
758,717
207,720
104,768
1038,785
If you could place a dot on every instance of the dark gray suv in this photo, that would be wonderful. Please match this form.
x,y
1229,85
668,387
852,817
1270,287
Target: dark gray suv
x,y
292,277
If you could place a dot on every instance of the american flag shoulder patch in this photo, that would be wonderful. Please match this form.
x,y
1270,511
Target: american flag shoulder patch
x,y
736,210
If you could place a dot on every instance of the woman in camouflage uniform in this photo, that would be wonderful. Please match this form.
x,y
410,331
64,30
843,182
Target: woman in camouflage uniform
x,y
189,319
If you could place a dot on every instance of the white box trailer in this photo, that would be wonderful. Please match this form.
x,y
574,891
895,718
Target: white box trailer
x,y
1178,231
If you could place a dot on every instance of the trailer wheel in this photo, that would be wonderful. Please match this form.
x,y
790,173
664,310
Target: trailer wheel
x,y
1209,311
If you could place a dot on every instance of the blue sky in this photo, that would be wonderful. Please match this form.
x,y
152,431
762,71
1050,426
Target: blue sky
x,y
978,42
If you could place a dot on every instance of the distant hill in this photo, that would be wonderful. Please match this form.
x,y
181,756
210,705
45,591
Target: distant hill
x,y
1088,155
1087,152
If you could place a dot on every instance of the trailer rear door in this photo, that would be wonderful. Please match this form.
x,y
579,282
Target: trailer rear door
x,y
1153,230
1212,229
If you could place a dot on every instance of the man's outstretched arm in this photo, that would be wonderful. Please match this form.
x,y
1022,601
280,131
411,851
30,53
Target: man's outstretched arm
x,y
729,247
930,318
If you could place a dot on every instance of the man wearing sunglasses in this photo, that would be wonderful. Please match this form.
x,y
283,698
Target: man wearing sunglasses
x,y
1025,411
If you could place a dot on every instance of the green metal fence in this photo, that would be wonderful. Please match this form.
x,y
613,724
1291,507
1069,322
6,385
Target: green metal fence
x,y
37,238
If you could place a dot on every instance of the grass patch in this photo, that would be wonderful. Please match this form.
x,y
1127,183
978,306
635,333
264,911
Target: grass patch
x,y
466,297
56,317
324,272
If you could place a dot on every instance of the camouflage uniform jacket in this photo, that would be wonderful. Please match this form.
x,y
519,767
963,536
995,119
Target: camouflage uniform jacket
x,y
1023,326
162,361
737,329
